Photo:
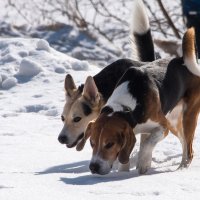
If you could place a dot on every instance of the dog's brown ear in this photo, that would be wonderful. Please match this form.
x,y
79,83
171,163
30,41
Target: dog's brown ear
x,y
90,91
129,140
87,134
70,86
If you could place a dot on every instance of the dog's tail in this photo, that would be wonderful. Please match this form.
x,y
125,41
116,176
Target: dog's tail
x,y
190,53
142,44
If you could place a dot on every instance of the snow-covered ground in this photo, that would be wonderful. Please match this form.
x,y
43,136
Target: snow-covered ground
x,y
33,165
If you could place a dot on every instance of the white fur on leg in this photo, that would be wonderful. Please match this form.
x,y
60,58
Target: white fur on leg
x,y
124,167
146,149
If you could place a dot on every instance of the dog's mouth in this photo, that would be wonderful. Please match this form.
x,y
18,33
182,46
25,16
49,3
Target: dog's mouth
x,y
75,143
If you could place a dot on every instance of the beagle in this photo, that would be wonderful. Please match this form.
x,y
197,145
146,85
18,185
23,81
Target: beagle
x,y
142,103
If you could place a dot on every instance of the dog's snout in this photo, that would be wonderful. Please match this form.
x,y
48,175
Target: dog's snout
x,y
62,139
94,167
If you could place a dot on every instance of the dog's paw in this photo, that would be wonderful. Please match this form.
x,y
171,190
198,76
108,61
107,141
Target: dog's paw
x,y
143,165
184,164
143,170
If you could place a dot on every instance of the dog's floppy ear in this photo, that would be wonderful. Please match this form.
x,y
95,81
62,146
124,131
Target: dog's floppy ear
x,y
87,134
129,140
90,91
70,86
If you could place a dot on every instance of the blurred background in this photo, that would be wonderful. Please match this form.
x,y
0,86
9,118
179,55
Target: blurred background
x,y
94,30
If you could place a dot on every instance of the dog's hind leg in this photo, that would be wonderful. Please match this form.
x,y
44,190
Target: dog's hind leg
x,y
175,117
190,117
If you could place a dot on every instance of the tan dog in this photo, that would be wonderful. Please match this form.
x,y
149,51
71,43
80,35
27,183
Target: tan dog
x,y
84,103
142,103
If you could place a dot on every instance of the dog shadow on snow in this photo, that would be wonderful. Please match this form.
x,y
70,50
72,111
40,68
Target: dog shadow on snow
x,y
77,168
81,167
91,179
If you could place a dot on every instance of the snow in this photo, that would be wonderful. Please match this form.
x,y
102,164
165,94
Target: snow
x,y
43,45
29,68
9,83
33,165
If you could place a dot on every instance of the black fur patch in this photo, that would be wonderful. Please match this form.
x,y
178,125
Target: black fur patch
x,y
145,46
127,116
80,88
107,110
107,79
174,84
86,109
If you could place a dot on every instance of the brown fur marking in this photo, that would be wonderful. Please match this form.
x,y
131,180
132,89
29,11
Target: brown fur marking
x,y
189,43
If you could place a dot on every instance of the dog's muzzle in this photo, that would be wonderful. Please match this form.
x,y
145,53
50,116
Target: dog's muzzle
x,y
96,168
63,139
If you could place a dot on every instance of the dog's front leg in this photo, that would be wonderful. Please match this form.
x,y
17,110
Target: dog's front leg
x,y
124,167
148,142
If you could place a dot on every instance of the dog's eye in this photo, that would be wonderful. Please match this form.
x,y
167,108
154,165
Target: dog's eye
x,y
62,118
77,119
109,145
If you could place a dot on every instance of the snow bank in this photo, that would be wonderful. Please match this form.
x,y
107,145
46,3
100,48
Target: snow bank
x,y
9,83
29,68
43,45
23,59
80,65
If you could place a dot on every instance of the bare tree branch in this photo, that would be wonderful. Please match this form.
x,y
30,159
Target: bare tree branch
x,y
169,19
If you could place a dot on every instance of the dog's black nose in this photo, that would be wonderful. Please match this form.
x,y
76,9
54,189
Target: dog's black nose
x,y
62,139
94,167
